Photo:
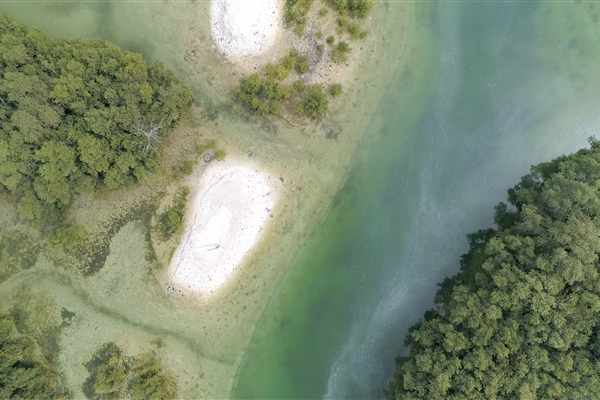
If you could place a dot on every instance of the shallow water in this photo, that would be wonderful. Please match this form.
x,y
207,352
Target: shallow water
x,y
489,89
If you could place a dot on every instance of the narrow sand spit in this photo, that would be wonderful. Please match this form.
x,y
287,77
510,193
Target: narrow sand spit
x,y
229,210
244,27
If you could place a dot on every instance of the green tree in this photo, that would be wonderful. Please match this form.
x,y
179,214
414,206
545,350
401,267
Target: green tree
x,y
171,221
150,381
359,8
335,89
114,376
77,115
340,53
316,102
24,372
521,318
108,373
295,14
66,237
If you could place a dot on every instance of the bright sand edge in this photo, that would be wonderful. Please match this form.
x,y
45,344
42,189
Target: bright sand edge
x,y
225,219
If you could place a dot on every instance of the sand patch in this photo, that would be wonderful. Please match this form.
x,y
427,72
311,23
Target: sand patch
x,y
228,212
244,27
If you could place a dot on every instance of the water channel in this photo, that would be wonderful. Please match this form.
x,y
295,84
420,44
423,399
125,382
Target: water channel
x,y
492,88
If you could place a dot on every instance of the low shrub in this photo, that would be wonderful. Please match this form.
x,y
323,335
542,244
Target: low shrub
x,y
295,14
302,64
112,375
220,154
251,84
298,108
316,102
268,95
355,31
359,8
354,8
271,71
340,53
171,221
67,237
298,87
183,169
273,90
282,72
335,89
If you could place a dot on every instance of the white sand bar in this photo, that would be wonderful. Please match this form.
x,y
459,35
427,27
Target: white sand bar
x,y
244,27
228,213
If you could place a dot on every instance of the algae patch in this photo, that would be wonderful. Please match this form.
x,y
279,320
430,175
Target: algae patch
x,y
18,251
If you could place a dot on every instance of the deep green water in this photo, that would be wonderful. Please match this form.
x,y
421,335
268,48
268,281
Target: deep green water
x,y
492,88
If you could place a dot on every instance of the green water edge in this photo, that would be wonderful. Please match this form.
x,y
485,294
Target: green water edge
x,y
491,89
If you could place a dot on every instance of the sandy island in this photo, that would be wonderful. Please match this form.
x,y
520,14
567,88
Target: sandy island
x,y
244,27
228,212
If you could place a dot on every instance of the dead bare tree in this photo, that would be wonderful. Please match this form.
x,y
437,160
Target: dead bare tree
x,y
149,132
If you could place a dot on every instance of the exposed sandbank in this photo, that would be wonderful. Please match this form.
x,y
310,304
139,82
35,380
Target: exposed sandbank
x,y
244,27
231,205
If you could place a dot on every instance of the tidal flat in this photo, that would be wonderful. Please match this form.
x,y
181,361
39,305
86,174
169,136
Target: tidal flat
x,y
113,290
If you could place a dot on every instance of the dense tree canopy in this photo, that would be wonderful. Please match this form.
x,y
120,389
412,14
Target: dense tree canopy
x,y
522,317
24,373
76,115
115,376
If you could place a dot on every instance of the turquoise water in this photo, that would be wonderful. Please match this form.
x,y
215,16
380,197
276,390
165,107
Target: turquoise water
x,y
490,89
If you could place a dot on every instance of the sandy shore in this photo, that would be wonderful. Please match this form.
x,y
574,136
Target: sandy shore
x,y
225,218
244,27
